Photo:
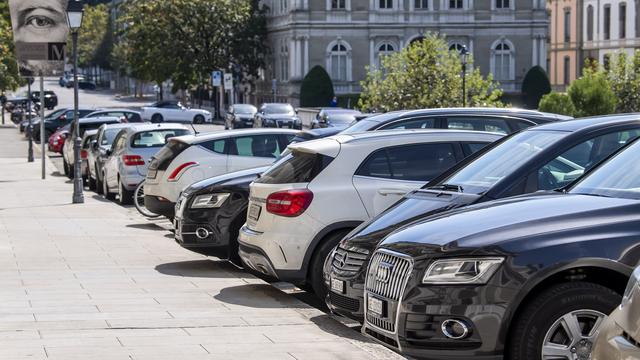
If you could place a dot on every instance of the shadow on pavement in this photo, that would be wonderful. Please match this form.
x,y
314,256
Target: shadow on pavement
x,y
261,296
147,226
332,326
200,269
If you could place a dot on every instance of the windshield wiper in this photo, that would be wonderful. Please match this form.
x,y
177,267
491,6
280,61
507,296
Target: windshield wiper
x,y
449,187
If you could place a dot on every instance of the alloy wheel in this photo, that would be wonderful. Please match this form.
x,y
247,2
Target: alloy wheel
x,y
572,336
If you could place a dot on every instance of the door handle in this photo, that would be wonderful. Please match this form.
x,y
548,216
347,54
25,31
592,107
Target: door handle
x,y
385,192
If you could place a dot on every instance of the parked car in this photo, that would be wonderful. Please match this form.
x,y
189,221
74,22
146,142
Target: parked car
x,y
57,120
209,214
87,139
275,115
36,121
618,335
50,98
306,135
311,198
545,157
68,159
57,140
240,116
188,159
14,102
125,115
129,156
335,117
22,112
172,111
528,277
84,83
98,153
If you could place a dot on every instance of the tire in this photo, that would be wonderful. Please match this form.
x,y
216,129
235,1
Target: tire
x,y
105,190
125,197
92,183
540,321
65,168
138,201
157,118
99,186
316,271
199,119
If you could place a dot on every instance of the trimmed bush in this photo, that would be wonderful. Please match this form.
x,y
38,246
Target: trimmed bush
x,y
592,95
534,86
316,89
557,103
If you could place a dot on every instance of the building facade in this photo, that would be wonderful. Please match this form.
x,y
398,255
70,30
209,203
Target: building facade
x,y
565,42
505,37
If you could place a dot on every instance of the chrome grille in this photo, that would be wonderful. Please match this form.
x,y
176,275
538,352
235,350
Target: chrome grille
x,y
381,323
347,262
387,275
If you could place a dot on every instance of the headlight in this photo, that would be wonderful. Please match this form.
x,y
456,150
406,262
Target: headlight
x,y
634,283
462,271
209,201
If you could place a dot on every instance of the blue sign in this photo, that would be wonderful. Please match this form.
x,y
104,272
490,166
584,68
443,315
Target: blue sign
x,y
216,78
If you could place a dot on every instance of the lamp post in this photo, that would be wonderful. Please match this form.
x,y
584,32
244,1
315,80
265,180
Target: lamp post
x,y
464,57
75,10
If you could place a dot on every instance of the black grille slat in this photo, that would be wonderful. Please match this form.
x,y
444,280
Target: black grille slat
x,y
344,302
348,262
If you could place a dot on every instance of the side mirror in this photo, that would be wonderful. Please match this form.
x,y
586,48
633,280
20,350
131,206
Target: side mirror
x,y
108,152
94,144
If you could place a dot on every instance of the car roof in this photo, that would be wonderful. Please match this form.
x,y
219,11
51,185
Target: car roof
x,y
116,109
589,123
163,126
117,126
90,133
493,111
196,139
100,119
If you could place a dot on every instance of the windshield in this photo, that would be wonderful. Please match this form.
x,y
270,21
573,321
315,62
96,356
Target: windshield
x,y
109,136
618,177
245,109
482,173
278,109
341,118
155,138
371,122
56,113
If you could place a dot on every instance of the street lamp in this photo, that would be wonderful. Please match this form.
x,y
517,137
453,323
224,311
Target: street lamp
x,y
464,57
75,10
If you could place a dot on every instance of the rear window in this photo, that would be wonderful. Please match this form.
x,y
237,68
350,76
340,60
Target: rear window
x,y
297,167
170,151
155,138
93,126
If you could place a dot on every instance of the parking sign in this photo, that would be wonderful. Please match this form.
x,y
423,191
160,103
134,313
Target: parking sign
x,y
228,81
216,78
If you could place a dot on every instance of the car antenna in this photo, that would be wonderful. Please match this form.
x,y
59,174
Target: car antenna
x,y
194,129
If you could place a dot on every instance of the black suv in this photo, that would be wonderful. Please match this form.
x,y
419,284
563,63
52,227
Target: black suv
x,y
525,278
277,116
545,157
50,99
57,120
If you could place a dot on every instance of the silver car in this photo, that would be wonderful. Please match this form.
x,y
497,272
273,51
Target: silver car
x,y
126,164
98,153
619,337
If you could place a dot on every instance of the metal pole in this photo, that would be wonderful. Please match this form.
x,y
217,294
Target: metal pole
x,y
78,197
43,144
28,113
464,85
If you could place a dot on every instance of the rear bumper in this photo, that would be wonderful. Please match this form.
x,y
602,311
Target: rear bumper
x,y
256,259
164,208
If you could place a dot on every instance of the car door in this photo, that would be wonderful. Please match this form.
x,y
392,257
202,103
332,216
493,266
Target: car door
x,y
111,165
478,123
390,173
253,150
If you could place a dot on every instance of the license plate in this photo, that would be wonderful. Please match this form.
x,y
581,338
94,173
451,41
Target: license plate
x,y
375,306
254,212
337,286
151,174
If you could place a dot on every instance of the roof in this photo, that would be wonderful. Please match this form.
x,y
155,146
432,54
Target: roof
x,y
196,139
101,119
117,126
500,111
590,123
90,133
147,127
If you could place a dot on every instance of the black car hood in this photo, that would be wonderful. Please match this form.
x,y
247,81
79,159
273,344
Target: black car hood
x,y
231,178
278,116
517,224
414,207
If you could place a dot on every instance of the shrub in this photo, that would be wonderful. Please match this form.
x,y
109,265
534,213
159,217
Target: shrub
x,y
592,95
557,103
535,85
316,89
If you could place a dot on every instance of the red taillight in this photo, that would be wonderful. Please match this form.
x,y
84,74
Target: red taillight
x,y
133,160
175,175
289,203
84,154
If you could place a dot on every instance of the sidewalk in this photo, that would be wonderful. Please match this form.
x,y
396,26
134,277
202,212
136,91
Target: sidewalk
x,y
97,281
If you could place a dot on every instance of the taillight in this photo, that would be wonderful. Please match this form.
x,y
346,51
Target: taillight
x,y
289,203
133,160
84,154
175,175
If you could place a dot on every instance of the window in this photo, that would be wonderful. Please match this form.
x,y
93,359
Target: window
x,y
622,16
297,167
421,4
284,6
108,136
502,4
422,123
284,61
338,4
478,124
217,146
257,145
155,138
338,62
503,61
472,148
567,25
384,50
606,61
456,4
385,4
607,22
457,47
590,23
417,162
567,70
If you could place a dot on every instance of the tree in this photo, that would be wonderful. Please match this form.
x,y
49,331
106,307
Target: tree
x,y
557,103
534,86
624,76
317,88
425,75
9,74
591,94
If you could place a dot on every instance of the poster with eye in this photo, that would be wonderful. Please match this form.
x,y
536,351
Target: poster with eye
x,y
40,33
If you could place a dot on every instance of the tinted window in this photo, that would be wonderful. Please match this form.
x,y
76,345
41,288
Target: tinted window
x,y
478,124
217,146
155,138
278,109
424,123
371,122
256,145
163,158
244,109
420,162
297,167
472,148
108,136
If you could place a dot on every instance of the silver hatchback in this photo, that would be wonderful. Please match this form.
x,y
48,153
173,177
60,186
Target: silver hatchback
x,y
126,164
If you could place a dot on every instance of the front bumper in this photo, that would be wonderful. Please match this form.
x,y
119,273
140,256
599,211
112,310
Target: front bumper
x,y
164,208
613,342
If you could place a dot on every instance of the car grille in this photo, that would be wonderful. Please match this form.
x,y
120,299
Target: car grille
x,y
344,302
349,262
388,275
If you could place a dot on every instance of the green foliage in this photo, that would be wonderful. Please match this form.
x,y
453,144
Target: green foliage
x,y
534,86
94,38
591,94
425,75
557,103
9,75
624,76
317,88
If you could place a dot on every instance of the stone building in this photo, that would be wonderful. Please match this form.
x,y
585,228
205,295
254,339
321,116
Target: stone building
x,y
565,42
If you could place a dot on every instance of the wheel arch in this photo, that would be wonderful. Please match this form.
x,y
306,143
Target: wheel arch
x,y
321,235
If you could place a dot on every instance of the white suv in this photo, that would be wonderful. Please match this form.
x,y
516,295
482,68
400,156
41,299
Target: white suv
x,y
306,202
189,159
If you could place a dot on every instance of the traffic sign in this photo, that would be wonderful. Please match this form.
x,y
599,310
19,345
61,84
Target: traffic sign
x,y
216,78
228,81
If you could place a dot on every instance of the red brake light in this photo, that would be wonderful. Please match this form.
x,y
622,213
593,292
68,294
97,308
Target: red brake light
x,y
290,203
175,175
133,160
84,154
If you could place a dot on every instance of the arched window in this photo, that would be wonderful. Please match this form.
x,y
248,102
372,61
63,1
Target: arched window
x,y
384,50
457,47
503,60
590,23
284,61
339,61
